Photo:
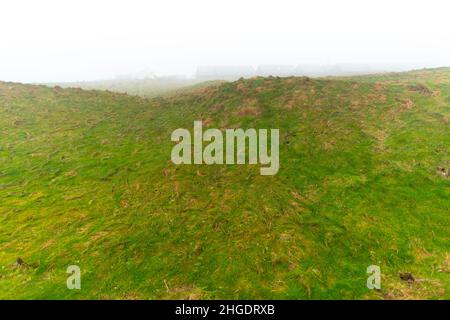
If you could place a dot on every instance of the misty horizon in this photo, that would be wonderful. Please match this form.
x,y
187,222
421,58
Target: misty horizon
x,y
234,72
83,41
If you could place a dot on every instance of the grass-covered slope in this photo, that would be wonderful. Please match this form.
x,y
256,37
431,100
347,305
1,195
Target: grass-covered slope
x,y
86,179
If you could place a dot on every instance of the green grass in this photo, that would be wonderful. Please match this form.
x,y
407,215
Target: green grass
x,y
86,179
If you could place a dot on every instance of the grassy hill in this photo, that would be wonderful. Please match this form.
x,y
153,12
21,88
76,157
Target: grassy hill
x,y
86,179
143,87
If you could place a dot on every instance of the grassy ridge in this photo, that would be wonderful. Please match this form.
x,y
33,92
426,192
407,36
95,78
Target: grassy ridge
x,y
143,87
86,179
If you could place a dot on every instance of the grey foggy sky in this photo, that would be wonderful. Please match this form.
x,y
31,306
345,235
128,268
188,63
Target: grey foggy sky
x,y
49,41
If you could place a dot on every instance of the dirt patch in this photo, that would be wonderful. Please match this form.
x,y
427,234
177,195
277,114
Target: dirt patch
x,y
378,87
406,105
248,111
329,145
406,276
289,104
241,86
207,121
20,263
422,89
443,171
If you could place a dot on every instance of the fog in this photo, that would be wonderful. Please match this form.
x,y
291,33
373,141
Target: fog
x,y
54,41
